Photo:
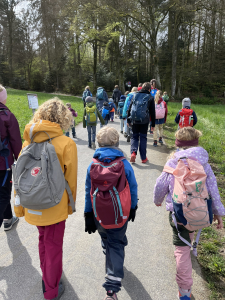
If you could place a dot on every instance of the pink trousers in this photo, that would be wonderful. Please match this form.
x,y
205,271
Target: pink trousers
x,y
50,252
184,265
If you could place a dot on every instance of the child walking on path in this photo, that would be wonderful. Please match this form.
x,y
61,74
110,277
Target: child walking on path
x,y
120,113
187,147
10,147
74,114
49,121
110,202
160,117
113,109
186,116
90,117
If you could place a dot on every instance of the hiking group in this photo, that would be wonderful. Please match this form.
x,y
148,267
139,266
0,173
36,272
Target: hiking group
x,y
45,180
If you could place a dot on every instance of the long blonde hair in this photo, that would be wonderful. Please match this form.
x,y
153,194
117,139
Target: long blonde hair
x,y
54,111
157,96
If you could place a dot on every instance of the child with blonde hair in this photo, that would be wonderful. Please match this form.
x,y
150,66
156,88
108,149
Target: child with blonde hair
x,y
187,151
160,117
49,121
110,202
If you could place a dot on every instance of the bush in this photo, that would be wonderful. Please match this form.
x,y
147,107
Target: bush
x,y
49,82
19,83
37,82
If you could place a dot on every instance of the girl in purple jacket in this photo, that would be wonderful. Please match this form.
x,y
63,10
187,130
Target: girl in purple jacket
x,y
74,114
187,146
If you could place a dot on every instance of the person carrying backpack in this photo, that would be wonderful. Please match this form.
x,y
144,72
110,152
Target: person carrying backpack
x,y
186,116
106,112
113,109
90,117
192,200
110,202
45,181
120,114
142,107
116,95
10,147
129,97
160,117
101,97
86,93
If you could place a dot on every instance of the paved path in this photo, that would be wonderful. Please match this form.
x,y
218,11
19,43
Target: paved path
x,y
149,264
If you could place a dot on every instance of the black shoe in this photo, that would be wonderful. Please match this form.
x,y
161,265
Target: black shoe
x,y
60,291
89,146
121,131
125,134
160,140
8,226
128,139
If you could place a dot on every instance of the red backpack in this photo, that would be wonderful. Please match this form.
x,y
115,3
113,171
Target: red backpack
x,y
110,193
186,118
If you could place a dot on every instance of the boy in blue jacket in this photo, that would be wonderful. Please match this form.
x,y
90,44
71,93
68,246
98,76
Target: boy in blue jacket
x,y
113,240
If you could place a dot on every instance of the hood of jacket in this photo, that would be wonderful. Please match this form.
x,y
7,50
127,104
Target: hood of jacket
x,y
196,153
160,100
106,106
53,130
2,106
108,152
90,104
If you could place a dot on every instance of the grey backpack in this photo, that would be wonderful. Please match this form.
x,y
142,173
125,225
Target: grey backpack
x,y
38,177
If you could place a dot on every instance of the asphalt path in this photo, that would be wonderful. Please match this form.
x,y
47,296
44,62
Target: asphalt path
x,y
149,262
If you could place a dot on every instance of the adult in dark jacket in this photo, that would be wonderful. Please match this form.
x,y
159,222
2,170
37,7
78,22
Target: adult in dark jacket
x,y
186,103
140,128
101,97
10,135
116,95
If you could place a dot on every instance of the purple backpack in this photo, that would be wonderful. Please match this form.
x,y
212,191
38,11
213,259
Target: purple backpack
x,y
110,193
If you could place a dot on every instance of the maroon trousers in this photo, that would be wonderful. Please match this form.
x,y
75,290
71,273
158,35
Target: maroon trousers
x,y
50,252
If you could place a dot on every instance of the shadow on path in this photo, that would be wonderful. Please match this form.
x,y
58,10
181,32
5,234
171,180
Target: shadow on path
x,y
69,291
20,275
134,287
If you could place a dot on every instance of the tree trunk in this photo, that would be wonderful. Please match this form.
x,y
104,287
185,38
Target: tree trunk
x,y
95,49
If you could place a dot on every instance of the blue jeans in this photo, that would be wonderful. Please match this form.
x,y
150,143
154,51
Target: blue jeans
x,y
91,132
139,132
112,115
113,243
73,132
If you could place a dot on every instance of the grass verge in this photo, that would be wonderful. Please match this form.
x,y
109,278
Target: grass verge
x,y
211,122
17,102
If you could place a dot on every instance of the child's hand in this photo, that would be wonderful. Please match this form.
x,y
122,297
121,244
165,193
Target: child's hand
x,y
220,221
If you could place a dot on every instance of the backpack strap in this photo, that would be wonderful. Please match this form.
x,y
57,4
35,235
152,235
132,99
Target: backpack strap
x,y
168,169
72,203
195,243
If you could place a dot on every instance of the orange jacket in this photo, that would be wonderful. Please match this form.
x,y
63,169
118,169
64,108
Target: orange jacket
x,y
66,151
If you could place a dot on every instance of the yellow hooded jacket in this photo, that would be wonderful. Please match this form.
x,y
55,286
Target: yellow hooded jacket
x,y
66,151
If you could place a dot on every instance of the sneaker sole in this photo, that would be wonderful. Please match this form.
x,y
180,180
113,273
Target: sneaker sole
x,y
9,228
132,160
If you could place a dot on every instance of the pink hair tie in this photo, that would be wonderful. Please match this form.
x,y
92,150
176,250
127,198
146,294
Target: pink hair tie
x,y
181,144
3,96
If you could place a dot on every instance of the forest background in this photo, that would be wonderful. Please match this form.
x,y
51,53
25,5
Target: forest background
x,y
64,45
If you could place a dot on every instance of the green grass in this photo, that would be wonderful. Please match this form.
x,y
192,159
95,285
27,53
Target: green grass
x,y
211,122
17,102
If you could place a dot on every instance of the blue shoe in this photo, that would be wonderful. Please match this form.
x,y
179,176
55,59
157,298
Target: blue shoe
x,y
184,294
155,143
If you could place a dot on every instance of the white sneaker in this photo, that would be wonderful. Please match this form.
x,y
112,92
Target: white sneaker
x,y
93,145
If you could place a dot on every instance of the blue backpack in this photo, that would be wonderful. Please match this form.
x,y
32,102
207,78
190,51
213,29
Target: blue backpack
x,y
130,96
100,94
139,108
86,93
153,92
4,150
105,113
120,107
